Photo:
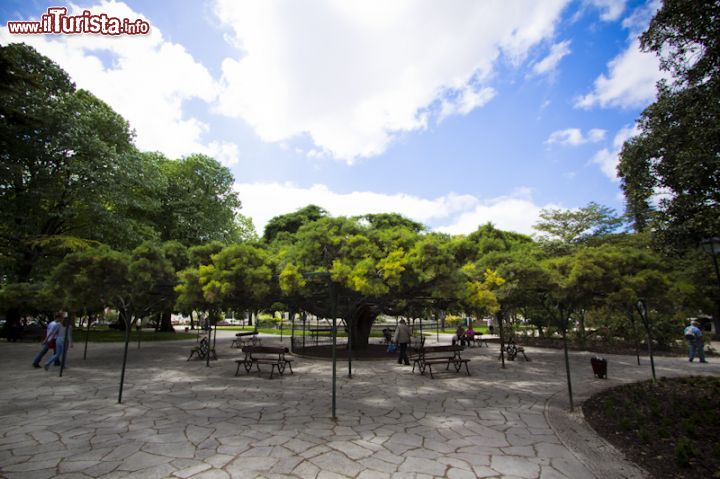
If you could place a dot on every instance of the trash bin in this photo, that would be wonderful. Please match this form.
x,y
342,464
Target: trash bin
x,y
599,366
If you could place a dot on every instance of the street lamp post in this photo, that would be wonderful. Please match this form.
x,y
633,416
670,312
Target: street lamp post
x,y
712,247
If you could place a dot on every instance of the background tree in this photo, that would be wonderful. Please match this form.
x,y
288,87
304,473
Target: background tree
x,y
575,226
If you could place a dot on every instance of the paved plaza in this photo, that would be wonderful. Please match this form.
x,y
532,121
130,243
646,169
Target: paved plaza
x,y
183,419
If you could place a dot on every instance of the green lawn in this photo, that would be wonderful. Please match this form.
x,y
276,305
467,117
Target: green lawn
x,y
112,336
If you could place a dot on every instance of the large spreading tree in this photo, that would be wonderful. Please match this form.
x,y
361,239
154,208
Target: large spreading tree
x,y
675,160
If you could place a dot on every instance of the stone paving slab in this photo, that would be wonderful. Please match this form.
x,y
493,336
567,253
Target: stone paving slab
x,y
181,419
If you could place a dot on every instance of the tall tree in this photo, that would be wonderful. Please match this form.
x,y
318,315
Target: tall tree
x,y
675,160
197,201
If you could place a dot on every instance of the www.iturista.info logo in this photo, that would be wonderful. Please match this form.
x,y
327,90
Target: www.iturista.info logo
x,y
57,21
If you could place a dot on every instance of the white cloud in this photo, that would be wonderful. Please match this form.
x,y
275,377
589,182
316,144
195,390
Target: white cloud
x,y
148,80
574,137
607,158
514,213
353,75
459,214
611,9
224,151
630,82
465,101
551,61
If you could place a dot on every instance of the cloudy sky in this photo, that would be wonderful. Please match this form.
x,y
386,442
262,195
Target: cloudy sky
x,y
452,113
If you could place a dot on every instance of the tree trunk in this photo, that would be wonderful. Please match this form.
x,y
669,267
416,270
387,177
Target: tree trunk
x,y
166,322
581,335
362,321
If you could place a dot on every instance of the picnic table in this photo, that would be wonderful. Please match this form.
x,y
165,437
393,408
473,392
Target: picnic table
x,y
274,356
428,356
245,338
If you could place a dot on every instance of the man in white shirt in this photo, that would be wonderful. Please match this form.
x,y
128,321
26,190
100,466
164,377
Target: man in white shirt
x,y
49,341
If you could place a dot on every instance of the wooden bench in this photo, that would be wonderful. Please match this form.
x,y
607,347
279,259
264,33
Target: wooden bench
x,y
317,332
202,350
246,338
478,341
512,350
270,355
428,356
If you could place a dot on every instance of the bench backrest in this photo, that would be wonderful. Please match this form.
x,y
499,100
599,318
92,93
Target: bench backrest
x,y
265,350
440,349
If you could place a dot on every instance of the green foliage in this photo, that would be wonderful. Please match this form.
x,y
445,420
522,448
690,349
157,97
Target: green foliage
x,y
197,203
292,222
575,226
679,143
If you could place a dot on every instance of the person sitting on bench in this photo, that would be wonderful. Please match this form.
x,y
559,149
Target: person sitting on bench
x,y
470,335
460,335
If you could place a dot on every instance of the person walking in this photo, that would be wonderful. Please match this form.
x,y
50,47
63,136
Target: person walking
x,y
60,341
402,339
49,340
693,334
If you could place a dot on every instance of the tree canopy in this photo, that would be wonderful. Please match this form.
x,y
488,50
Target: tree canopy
x,y
670,172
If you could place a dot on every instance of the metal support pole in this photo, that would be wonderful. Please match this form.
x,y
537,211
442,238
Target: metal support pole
x,y
502,337
567,367
350,334
125,353
333,309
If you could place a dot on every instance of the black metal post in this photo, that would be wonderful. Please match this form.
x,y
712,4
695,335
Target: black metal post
x,y
139,331
333,309
304,320
499,317
350,333
209,337
567,365
124,312
642,309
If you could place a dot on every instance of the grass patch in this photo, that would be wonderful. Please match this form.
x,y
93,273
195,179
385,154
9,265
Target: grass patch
x,y
113,336
670,428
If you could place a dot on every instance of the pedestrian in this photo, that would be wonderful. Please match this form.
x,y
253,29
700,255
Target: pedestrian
x,y
693,334
49,341
65,326
402,339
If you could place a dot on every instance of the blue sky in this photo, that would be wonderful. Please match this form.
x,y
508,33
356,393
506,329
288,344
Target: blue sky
x,y
452,113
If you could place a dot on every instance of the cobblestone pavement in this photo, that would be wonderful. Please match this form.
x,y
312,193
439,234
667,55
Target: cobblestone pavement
x,y
183,419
